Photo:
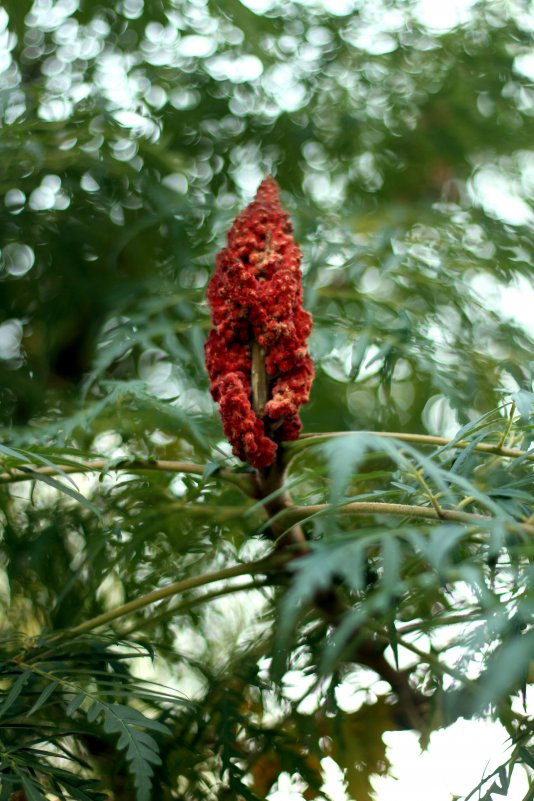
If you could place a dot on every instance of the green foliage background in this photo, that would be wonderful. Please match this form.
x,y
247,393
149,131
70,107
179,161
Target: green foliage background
x,y
132,134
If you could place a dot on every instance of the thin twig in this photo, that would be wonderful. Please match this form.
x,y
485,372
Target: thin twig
x,y
418,475
508,426
444,620
434,661
431,659
466,501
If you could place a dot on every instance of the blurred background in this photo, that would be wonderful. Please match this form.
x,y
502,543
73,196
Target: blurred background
x,y
400,133
133,131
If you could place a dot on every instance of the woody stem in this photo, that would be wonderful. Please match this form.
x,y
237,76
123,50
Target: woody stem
x,y
271,479
292,543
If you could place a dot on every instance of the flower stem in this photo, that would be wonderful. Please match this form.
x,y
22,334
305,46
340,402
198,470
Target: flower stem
x,y
258,379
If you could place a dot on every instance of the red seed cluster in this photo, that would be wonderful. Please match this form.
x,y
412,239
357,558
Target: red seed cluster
x,y
255,294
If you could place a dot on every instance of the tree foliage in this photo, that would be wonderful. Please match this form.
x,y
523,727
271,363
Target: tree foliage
x,y
133,132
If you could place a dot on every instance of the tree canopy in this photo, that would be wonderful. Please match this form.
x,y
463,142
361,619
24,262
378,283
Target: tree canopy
x,y
133,133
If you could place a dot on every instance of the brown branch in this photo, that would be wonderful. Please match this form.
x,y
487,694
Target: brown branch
x,y
270,481
240,480
421,439
287,513
412,707
397,510
251,568
178,609
244,482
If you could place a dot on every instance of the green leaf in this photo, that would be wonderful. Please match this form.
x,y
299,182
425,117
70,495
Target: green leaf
x,y
33,456
359,350
343,455
461,463
391,562
75,703
53,482
210,469
141,750
525,403
94,711
32,790
313,573
506,669
440,544
526,756
43,697
15,690
349,630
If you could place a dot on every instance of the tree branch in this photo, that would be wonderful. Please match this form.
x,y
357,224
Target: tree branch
x,y
241,480
292,448
282,513
251,568
292,513
213,595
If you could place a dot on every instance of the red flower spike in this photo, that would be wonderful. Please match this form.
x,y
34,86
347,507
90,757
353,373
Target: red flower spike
x,y
255,296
